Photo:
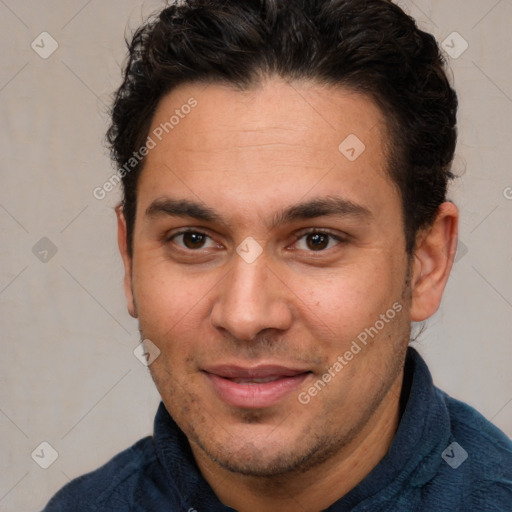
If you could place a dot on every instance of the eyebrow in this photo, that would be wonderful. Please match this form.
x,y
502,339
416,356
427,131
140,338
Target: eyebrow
x,y
319,207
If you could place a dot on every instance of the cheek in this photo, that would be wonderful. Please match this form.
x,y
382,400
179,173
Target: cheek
x,y
345,303
173,307
165,294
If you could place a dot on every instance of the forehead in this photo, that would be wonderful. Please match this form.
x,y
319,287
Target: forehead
x,y
260,144
274,110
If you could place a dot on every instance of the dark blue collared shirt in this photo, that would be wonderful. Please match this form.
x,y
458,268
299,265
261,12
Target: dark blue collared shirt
x,y
445,457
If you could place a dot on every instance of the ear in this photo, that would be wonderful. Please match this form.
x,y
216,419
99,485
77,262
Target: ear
x,y
433,259
127,260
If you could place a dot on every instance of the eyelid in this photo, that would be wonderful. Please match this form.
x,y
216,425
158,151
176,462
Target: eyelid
x,y
182,231
325,231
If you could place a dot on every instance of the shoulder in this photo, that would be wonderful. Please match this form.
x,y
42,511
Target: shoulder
x,y
120,476
487,454
478,433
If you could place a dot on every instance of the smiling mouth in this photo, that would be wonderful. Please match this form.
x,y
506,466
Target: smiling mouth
x,y
256,387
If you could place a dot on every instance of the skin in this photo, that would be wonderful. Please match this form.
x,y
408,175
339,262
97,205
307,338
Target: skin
x,y
248,156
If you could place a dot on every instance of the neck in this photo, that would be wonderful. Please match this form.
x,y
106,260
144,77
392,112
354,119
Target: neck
x,y
319,487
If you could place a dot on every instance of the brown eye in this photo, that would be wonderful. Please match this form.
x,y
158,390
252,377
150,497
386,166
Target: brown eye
x,y
192,240
317,241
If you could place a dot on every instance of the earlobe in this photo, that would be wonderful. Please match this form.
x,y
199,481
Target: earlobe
x,y
433,260
122,241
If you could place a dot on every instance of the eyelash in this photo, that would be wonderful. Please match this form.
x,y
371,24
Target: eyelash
x,y
299,236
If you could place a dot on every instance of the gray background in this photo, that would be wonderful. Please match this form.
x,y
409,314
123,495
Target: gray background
x,y
68,373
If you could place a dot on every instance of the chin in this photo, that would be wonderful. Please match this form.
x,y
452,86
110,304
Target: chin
x,y
257,451
251,461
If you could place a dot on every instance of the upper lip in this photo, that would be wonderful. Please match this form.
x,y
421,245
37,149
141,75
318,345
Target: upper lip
x,y
254,372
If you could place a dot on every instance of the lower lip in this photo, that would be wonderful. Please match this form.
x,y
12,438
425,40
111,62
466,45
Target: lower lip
x,y
255,396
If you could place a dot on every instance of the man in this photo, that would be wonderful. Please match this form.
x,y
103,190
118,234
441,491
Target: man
x,y
285,169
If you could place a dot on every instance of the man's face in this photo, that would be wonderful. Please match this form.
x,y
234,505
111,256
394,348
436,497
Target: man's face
x,y
247,326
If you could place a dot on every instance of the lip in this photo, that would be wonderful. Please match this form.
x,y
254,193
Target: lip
x,y
232,384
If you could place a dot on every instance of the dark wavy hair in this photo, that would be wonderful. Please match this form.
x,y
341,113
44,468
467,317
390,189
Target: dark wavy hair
x,y
369,46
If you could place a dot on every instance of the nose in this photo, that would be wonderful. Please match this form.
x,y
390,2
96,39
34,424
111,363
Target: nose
x,y
251,299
